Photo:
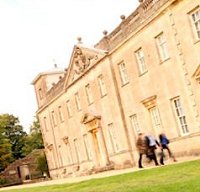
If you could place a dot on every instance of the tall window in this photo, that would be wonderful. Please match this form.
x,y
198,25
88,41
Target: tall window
x,y
45,123
69,154
135,124
102,85
180,115
87,147
60,159
88,93
77,151
60,114
40,93
155,117
51,157
69,111
113,138
53,118
140,60
77,100
162,47
196,22
123,73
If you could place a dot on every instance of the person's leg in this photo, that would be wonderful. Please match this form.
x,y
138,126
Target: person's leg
x,y
162,157
154,157
168,150
170,153
140,161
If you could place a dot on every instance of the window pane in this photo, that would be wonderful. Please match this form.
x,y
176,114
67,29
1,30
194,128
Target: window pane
x,y
69,109
196,22
155,116
113,137
102,85
180,115
77,99
89,94
162,47
135,124
123,73
141,61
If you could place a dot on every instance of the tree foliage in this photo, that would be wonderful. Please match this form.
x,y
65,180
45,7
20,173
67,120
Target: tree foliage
x,y
42,164
34,139
14,142
12,139
5,152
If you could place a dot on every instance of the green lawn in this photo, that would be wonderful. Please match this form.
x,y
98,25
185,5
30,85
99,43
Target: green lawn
x,y
182,177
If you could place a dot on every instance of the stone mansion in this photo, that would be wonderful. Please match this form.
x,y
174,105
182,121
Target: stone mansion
x,y
144,76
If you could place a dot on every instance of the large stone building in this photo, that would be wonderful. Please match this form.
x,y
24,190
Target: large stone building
x,y
142,77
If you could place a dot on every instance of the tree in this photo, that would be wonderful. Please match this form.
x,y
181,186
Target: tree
x,y
13,131
5,152
42,165
11,139
34,139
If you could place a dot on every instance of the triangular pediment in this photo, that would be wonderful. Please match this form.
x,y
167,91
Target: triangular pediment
x,y
82,59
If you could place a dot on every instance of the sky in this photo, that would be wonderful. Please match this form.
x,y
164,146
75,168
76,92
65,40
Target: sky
x,y
36,34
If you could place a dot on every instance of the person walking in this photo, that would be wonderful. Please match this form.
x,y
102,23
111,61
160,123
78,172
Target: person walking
x,y
164,141
141,145
152,146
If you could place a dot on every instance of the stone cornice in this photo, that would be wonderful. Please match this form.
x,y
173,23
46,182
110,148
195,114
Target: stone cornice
x,y
146,10
150,102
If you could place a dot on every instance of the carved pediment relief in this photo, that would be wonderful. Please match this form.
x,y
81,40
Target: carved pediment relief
x,y
82,59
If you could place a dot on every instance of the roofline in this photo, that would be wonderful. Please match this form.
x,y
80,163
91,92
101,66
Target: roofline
x,y
45,73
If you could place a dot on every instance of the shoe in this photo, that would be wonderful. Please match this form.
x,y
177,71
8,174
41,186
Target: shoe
x,y
162,163
141,167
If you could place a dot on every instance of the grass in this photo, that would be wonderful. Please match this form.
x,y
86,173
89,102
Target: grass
x,y
183,177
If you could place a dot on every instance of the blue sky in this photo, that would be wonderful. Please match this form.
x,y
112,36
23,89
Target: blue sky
x,y
35,33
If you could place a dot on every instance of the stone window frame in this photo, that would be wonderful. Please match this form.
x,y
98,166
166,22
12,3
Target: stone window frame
x,y
156,119
53,117
40,93
135,123
102,85
77,100
60,112
123,73
69,110
77,150
141,63
113,138
179,114
195,22
88,92
68,151
162,47
45,123
87,147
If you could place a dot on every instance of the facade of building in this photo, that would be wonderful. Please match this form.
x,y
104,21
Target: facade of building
x,y
142,77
